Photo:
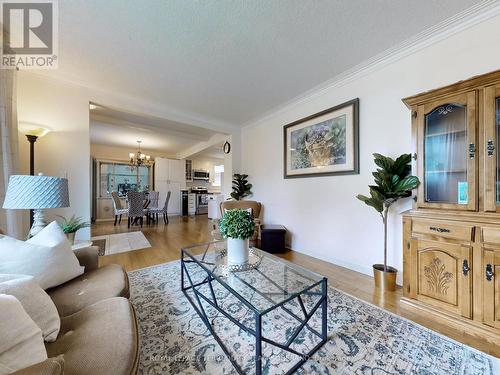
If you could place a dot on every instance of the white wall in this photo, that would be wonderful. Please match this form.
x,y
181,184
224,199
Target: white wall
x,y
65,151
322,214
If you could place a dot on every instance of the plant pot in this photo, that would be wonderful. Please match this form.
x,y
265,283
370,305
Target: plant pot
x,y
385,280
237,251
71,237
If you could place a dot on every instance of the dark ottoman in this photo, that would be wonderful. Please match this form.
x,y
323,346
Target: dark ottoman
x,y
273,238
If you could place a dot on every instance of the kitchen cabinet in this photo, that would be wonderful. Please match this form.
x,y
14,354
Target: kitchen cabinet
x,y
189,170
170,170
451,236
191,204
170,175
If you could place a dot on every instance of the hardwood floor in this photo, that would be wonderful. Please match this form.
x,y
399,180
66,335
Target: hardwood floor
x,y
167,240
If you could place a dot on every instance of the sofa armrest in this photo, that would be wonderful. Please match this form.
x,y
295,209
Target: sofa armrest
x,y
88,257
51,366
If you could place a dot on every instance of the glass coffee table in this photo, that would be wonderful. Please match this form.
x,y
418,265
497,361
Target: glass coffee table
x,y
279,306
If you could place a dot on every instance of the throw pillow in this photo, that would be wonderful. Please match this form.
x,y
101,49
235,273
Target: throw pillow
x,y
22,343
47,257
35,302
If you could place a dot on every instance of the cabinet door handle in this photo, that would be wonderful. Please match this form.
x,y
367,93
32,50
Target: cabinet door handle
x,y
465,267
490,147
489,272
472,150
439,230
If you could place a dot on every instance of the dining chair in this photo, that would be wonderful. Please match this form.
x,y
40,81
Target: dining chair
x,y
154,197
117,207
162,210
152,202
136,207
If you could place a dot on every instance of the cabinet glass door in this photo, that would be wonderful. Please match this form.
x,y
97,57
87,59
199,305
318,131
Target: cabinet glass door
x,y
491,151
446,153
445,147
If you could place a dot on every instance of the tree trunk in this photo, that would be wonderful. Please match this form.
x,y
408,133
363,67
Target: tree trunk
x,y
386,211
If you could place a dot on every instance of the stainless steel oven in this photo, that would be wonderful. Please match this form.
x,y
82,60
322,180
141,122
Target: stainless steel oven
x,y
201,204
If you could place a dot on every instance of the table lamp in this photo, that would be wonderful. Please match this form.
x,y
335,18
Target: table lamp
x,y
38,193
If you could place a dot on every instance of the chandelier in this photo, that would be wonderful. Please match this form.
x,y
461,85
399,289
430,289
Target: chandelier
x,y
138,158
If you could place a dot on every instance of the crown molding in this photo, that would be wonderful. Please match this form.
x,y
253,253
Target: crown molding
x,y
119,101
461,21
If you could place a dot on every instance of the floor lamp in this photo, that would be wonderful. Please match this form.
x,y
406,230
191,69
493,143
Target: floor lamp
x,y
32,133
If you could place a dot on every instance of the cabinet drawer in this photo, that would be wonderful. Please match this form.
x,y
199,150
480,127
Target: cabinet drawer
x,y
444,229
490,235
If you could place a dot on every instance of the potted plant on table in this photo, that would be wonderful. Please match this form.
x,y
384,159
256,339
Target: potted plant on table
x,y
72,225
393,181
237,226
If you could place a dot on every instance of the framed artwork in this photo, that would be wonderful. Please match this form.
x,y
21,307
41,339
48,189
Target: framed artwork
x,y
324,144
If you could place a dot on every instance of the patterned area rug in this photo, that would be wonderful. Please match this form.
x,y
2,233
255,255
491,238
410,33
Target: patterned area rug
x,y
363,339
120,242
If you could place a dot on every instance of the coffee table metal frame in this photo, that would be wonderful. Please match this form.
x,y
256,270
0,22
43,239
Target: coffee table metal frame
x,y
210,278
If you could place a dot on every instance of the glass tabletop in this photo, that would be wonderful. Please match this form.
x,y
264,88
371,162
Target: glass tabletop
x,y
273,282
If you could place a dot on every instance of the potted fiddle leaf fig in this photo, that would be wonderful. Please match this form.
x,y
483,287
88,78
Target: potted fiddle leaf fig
x,y
237,226
72,225
241,187
393,181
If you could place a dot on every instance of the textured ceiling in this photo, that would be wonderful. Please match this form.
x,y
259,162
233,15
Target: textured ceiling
x,y
230,60
117,128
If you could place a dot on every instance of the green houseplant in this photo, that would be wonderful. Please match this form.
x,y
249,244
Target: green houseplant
x,y
393,181
241,187
72,225
237,226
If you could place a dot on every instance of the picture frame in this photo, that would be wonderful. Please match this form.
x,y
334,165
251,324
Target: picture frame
x,y
323,144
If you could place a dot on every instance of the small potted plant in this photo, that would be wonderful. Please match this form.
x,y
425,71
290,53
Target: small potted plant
x,y
237,226
393,181
70,226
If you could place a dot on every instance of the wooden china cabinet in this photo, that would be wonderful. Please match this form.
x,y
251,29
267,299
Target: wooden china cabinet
x,y
451,236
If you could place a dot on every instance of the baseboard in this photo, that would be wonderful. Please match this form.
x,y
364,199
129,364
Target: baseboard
x,y
366,270
472,327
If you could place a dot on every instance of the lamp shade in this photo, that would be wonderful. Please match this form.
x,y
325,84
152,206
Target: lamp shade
x,y
36,192
33,129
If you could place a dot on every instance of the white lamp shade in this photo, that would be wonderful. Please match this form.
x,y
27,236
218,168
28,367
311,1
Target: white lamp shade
x,y
36,192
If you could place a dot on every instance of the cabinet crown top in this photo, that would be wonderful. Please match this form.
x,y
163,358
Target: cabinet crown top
x,y
474,83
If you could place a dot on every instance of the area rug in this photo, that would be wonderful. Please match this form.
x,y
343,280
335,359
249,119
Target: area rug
x,y
363,339
120,242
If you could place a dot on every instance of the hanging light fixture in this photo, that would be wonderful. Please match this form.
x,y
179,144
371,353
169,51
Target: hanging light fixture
x,y
138,158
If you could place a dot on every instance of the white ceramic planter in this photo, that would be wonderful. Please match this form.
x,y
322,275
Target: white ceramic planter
x,y
237,251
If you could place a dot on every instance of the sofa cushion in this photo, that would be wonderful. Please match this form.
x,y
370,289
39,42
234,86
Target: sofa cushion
x,y
51,366
88,257
105,282
35,301
47,257
100,339
21,341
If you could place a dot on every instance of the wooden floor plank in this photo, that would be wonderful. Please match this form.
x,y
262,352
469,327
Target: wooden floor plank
x,y
167,240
